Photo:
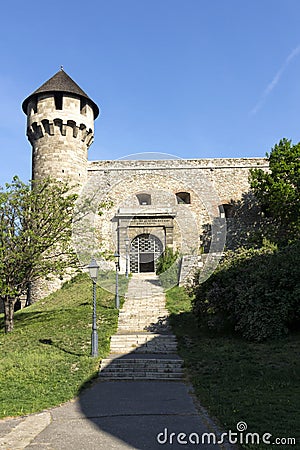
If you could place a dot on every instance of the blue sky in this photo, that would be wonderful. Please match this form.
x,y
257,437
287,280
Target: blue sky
x,y
193,78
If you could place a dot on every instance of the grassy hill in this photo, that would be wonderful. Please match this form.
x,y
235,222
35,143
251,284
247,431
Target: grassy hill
x,y
46,360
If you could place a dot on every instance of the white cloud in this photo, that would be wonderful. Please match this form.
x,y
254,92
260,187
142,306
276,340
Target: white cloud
x,y
275,80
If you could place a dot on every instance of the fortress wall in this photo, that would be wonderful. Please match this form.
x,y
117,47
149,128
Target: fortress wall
x,y
210,182
229,176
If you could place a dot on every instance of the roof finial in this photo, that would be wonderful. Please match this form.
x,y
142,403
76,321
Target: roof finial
x,y
61,67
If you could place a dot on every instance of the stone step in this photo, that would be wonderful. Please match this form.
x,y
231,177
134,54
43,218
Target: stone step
x,y
117,363
139,328
140,315
143,337
141,376
145,367
150,299
141,340
137,314
137,310
156,369
143,343
143,349
136,322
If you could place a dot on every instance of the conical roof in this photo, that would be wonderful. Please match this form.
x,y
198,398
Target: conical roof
x,y
61,82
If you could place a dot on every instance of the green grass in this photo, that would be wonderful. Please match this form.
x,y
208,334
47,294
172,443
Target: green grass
x,y
46,360
237,380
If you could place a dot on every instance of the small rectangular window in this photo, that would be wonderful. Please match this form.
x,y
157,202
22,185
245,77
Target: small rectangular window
x,y
144,199
183,198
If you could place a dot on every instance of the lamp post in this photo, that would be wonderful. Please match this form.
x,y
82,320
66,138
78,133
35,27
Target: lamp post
x,y
93,270
117,256
127,240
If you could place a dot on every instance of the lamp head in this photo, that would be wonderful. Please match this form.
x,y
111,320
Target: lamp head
x,y
93,269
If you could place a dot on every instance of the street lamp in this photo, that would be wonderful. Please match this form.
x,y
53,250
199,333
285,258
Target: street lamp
x,y
127,240
93,270
117,256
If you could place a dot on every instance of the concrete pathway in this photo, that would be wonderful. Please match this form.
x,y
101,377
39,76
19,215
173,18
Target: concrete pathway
x,y
136,414
146,415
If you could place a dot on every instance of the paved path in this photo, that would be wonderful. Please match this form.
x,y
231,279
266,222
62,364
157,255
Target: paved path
x,y
145,415
144,347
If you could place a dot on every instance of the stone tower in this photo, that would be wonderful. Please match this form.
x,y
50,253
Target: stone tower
x,y
60,128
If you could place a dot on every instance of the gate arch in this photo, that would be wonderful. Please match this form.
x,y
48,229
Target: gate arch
x,y
145,249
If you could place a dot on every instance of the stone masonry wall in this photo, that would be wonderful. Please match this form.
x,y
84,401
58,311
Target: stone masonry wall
x,y
210,182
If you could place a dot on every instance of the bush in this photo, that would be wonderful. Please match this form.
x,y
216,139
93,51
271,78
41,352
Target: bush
x,y
254,292
166,260
168,268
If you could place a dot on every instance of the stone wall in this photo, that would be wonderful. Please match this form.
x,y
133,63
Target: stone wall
x,y
211,183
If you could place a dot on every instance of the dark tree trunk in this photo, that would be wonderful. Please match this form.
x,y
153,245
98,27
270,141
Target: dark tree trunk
x,y
9,304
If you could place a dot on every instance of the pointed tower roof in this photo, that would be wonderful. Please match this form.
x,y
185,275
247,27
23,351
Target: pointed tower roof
x,y
61,82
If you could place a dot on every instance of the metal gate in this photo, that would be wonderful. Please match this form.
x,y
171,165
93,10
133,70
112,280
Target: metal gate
x,y
144,251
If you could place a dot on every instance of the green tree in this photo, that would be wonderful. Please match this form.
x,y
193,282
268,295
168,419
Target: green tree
x,y
35,236
278,190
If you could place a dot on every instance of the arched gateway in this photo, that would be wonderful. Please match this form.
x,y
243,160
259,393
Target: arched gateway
x,y
144,251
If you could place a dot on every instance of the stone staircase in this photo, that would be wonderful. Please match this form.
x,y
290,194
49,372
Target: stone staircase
x,y
129,368
143,347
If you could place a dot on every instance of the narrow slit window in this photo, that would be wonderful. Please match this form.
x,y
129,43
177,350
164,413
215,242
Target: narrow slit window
x,y
83,107
32,106
58,100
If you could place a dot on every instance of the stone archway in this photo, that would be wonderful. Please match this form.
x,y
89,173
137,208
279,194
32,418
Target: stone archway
x,y
145,249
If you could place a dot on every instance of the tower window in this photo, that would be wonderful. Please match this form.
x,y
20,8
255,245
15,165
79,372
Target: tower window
x,y
32,106
83,108
58,100
144,199
183,198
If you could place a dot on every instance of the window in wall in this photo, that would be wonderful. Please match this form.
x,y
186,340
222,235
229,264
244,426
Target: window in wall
x,y
32,106
144,199
58,100
228,210
83,108
183,198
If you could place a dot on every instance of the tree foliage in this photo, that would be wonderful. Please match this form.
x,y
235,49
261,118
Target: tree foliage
x,y
255,291
35,235
278,190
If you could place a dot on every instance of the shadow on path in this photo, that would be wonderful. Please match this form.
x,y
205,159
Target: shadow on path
x,y
136,414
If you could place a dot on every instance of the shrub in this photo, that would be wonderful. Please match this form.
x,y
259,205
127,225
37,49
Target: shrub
x,y
168,268
254,292
166,260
